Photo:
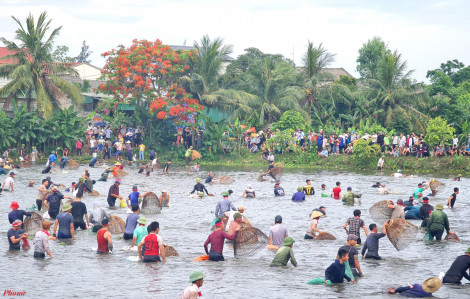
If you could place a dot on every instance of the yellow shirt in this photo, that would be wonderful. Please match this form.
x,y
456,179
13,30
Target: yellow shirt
x,y
142,147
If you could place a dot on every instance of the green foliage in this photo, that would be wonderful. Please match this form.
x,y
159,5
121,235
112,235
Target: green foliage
x,y
365,155
438,132
282,139
214,132
350,82
369,57
290,120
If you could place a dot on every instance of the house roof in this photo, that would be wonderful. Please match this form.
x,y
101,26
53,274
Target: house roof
x,y
336,72
186,48
5,52
75,64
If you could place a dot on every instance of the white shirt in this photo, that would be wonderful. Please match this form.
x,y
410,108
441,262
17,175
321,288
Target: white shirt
x,y
402,141
191,292
92,142
397,174
395,140
382,190
381,162
455,141
8,183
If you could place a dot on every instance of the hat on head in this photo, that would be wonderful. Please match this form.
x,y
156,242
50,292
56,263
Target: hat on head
x,y
66,207
128,141
299,189
278,219
105,221
195,276
322,207
225,194
142,220
241,207
316,214
107,167
399,170
117,181
439,206
432,284
198,180
16,223
288,241
117,164
164,191
14,205
352,237
237,215
468,250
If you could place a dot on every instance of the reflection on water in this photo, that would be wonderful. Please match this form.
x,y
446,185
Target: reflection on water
x,y
76,270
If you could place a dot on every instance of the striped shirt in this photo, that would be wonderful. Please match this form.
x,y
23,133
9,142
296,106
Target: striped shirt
x,y
41,241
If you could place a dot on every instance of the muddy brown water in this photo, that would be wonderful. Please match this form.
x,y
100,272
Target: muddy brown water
x,y
77,271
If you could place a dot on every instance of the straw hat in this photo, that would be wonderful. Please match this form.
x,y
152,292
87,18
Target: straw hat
x,y
117,164
198,180
432,284
316,214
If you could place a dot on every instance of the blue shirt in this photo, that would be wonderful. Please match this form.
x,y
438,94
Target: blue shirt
x,y
134,198
336,273
64,222
279,191
17,215
54,201
131,223
224,206
13,233
415,292
319,140
93,162
412,211
52,158
298,196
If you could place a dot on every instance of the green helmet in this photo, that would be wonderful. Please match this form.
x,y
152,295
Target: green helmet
x,y
195,276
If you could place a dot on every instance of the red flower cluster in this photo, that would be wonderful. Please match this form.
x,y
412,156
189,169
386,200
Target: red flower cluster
x,y
149,72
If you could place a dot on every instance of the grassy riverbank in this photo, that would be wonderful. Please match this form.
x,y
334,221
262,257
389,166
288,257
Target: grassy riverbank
x,y
445,166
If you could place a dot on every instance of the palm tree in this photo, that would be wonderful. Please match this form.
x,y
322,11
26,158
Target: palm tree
x,y
315,59
276,85
33,73
207,66
395,95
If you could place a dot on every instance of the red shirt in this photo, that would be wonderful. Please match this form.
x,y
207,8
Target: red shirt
x,y
102,242
151,245
336,192
217,240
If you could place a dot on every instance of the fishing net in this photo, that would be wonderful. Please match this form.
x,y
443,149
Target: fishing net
x,y
276,173
61,186
116,225
73,164
325,236
26,164
380,212
33,223
225,179
401,233
196,155
151,204
169,250
436,186
452,237
249,241
279,164
119,173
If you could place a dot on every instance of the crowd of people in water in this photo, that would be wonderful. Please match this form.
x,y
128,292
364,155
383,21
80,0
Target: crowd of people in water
x,y
66,218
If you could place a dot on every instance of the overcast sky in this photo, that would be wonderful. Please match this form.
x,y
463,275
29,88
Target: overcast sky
x,y
426,32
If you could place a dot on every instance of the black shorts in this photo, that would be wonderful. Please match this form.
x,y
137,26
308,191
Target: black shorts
x,y
308,237
128,236
53,214
96,228
39,255
151,258
39,204
81,225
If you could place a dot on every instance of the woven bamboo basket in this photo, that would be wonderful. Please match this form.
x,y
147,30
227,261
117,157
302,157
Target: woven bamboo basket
x,y
380,212
325,236
119,173
249,241
73,164
116,225
169,250
225,180
436,186
33,223
452,237
401,233
151,204
196,155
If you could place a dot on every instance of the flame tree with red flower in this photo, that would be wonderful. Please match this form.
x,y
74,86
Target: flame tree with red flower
x,y
147,74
